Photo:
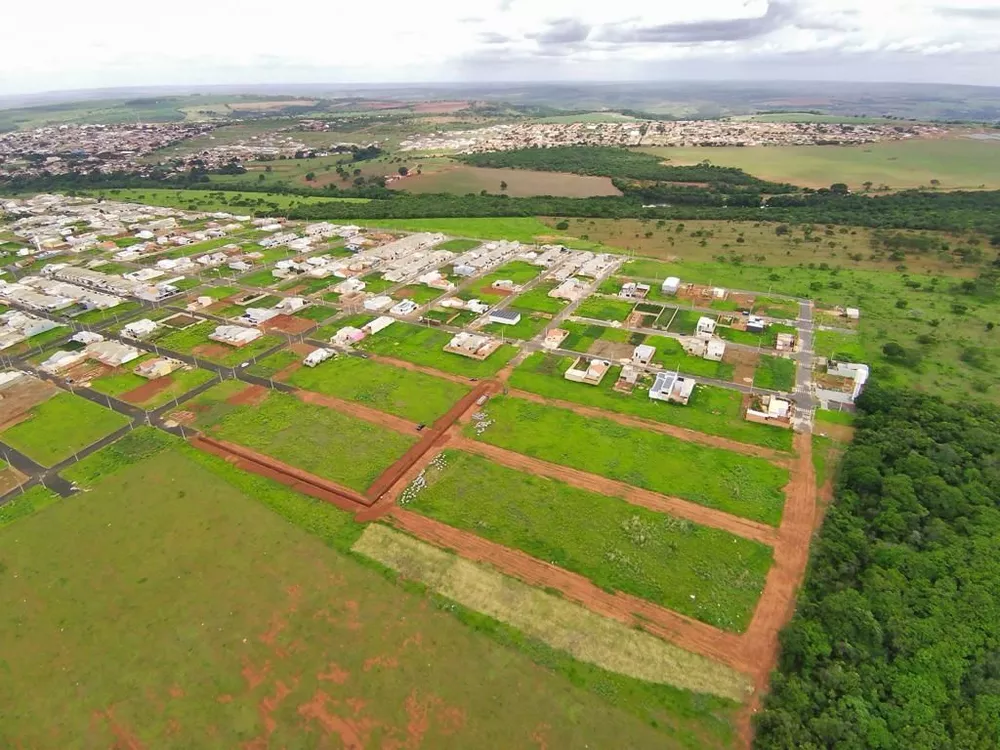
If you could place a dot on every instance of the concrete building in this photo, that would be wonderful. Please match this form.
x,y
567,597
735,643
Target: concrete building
x,y
379,324
554,338
756,324
159,367
505,317
670,285
404,307
627,379
86,337
316,356
571,289
139,329
378,304
236,336
633,290
592,373
643,354
472,345
705,327
672,387
785,342
768,409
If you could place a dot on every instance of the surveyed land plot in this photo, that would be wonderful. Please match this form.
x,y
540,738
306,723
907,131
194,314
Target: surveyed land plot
x,y
411,395
705,573
320,649
712,410
319,440
741,485
61,426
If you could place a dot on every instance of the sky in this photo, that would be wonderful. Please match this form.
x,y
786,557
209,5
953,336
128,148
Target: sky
x,y
67,44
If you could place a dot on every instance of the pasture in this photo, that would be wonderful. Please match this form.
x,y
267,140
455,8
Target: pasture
x,y
742,485
462,179
956,163
705,573
320,649
214,200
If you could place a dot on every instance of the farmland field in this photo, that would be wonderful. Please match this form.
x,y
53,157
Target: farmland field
x,y
410,395
61,426
314,438
320,651
742,485
425,346
522,229
462,179
712,410
701,572
958,163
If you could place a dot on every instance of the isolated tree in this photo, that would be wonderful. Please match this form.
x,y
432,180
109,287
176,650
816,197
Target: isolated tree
x,y
310,176
403,171
839,188
503,187
268,168
935,183
260,178
867,185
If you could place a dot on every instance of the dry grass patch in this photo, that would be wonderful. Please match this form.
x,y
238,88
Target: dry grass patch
x,y
563,625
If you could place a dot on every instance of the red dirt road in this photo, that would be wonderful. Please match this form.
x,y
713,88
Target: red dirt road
x,y
673,505
685,632
682,433
290,476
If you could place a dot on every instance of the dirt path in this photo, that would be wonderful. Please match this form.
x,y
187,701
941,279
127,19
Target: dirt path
x,y
675,506
360,411
687,633
428,445
791,556
681,433
290,476
404,365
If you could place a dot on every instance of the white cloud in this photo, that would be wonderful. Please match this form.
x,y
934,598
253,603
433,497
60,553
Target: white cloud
x,y
65,44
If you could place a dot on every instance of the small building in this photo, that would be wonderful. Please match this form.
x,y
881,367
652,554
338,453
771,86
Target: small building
x,y
379,303
378,324
670,285
464,270
851,371
112,353
476,306
672,387
505,317
571,289
592,374
346,336
504,284
158,367
472,345
633,290
404,307
349,285
554,338
852,313
756,324
60,360
86,337
291,304
316,356
139,329
236,336
769,409
715,349
705,327
627,379
643,354
256,315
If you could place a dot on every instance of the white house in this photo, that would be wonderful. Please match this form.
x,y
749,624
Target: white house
x,y
669,386
139,329
377,304
235,335
705,327
643,354
670,285
316,356
404,307
505,317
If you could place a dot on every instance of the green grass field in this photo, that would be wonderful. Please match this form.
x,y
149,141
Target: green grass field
x,y
521,229
602,308
775,373
321,650
712,410
133,447
212,200
671,355
424,346
410,395
462,179
61,426
530,325
458,246
181,381
701,572
319,440
742,485
685,322
537,298
957,163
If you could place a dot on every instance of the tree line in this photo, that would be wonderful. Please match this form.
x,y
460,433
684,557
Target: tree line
x,y
896,639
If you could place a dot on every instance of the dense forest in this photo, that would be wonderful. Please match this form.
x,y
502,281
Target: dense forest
x,y
607,161
896,639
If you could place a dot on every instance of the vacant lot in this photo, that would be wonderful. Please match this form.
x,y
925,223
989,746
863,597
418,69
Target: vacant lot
x,y
320,440
712,410
61,426
515,228
602,308
702,572
319,651
462,179
195,341
775,373
150,394
537,298
411,395
956,163
741,485
425,346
